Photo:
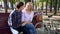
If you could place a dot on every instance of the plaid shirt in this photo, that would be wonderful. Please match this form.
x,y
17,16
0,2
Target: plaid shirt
x,y
14,19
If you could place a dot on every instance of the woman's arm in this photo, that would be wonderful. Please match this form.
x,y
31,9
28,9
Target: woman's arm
x,y
23,19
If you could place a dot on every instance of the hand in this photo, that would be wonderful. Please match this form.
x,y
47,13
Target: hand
x,y
24,24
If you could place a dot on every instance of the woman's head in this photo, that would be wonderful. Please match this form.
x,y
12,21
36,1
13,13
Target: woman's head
x,y
29,5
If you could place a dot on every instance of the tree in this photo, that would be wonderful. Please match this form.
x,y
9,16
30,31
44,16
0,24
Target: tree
x,y
27,1
14,1
5,5
11,1
42,0
50,5
19,0
46,6
58,4
55,7
42,3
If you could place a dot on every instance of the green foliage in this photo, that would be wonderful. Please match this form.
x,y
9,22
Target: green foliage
x,y
22,0
14,1
42,0
37,3
58,1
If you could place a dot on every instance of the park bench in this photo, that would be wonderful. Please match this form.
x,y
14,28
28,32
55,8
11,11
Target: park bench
x,y
5,29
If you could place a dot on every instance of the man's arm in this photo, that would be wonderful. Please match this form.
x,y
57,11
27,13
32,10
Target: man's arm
x,y
10,19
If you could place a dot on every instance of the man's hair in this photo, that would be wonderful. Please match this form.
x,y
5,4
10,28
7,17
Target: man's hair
x,y
19,4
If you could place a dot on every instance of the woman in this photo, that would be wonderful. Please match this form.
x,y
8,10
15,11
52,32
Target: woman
x,y
27,16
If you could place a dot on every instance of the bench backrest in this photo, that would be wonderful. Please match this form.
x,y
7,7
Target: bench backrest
x,y
4,28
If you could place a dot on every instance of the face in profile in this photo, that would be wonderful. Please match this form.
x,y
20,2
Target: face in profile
x,y
22,7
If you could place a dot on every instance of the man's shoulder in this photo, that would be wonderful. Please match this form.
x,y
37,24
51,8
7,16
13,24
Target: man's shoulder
x,y
13,12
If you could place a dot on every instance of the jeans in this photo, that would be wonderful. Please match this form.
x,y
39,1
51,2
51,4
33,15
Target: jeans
x,y
27,29
31,28
22,29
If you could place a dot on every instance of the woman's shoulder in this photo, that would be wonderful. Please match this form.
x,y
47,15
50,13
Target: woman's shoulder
x,y
32,12
23,11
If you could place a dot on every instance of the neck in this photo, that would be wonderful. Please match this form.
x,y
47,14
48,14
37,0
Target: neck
x,y
28,9
18,10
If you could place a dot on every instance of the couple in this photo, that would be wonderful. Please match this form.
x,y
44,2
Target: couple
x,y
20,19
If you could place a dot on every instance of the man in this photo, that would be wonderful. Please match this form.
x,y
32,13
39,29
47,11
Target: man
x,y
14,20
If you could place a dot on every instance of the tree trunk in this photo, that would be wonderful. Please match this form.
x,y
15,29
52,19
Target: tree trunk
x,y
58,4
19,0
55,7
11,1
42,6
46,6
50,5
33,4
27,1
5,5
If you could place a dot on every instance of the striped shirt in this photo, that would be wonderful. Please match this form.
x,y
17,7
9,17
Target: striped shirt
x,y
14,19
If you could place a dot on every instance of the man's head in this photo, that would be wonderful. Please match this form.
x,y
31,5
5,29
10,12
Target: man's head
x,y
20,6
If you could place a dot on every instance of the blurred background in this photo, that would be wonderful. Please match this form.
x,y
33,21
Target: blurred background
x,y
47,6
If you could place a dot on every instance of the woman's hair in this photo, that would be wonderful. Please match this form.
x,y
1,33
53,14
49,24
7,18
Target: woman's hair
x,y
29,3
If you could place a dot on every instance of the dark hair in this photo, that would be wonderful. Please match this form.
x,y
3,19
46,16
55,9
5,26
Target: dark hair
x,y
19,4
